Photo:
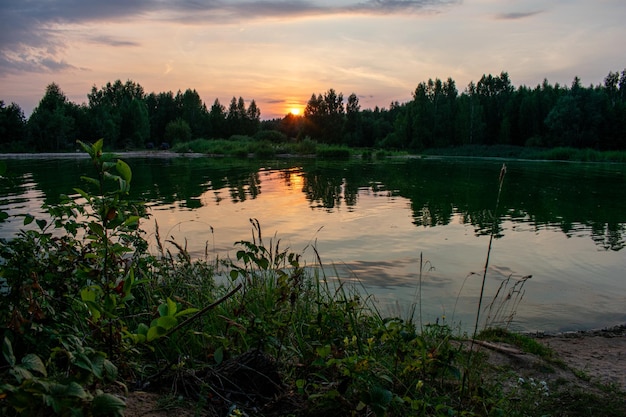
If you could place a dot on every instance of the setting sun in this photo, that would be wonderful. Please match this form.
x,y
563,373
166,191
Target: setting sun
x,y
295,111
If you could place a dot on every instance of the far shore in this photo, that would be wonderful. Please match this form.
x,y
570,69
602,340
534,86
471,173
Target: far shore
x,y
83,155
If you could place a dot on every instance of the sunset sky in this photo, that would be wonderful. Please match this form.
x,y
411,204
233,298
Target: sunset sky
x,y
279,52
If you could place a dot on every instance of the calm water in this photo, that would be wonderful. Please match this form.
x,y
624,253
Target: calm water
x,y
562,223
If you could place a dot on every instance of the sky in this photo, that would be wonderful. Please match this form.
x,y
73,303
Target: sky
x,y
280,52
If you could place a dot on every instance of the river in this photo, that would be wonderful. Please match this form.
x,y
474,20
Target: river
x,y
371,222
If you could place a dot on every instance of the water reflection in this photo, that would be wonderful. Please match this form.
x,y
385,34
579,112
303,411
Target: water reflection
x,y
576,198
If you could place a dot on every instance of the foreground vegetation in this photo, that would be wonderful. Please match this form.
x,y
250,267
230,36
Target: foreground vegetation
x,y
87,313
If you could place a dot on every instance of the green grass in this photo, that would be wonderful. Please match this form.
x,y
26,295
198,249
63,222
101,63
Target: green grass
x,y
520,152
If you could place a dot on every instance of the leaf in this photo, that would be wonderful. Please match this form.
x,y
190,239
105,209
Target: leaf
x,y
34,363
94,309
107,166
110,370
155,332
74,389
96,229
171,307
86,147
107,405
142,329
7,351
82,193
28,219
124,170
186,312
91,181
132,221
167,322
82,361
20,373
41,223
97,365
218,355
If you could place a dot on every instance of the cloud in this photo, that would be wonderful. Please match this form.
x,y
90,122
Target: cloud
x,y
111,41
517,15
33,37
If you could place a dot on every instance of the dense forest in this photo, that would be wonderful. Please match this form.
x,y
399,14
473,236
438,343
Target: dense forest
x,y
489,112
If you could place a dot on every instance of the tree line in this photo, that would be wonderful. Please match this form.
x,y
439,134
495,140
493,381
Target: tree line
x,y
489,112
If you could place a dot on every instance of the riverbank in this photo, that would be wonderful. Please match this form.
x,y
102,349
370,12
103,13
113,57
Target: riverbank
x,y
82,155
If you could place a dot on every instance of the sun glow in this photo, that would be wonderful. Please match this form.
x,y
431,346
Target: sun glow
x,y
295,111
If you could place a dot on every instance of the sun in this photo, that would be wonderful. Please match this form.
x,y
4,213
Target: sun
x,y
295,111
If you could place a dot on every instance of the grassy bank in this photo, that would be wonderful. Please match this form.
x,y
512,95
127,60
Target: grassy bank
x,y
89,312
245,146
519,152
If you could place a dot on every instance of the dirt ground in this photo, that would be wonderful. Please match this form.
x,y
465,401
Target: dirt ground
x,y
591,358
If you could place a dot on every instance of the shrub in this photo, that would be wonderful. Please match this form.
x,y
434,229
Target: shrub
x,y
273,136
177,131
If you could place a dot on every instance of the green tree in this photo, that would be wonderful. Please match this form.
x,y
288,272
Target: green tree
x,y
193,111
578,118
115,113
253,119
12,126
51,127
324,117
493,93
162,109
217,120
353,135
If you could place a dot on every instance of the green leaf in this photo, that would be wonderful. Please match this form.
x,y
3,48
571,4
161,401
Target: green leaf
x,y
97,365
82,361
28,219
41,223
96,229
7,351
186,312
167,322
88,294
132,221
107,166
110,370
162,310
234,274
82,193
107,405
3,216
91,181
142,329
155,332
124,170
218,355
74,389
171,307
20,373
34,363
86,147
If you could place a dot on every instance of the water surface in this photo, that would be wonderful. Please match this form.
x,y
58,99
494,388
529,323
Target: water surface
x,y
371,222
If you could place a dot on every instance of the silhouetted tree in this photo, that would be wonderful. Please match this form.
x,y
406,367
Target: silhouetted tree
x,y
51,127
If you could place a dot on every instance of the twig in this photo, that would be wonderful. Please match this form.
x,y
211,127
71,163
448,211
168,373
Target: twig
x,y
204,310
